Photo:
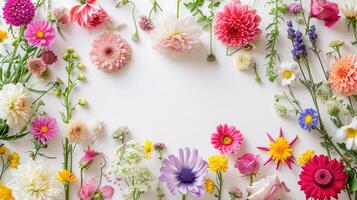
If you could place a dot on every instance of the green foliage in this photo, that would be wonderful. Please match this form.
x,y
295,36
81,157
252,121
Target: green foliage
x,y
277,12
196,6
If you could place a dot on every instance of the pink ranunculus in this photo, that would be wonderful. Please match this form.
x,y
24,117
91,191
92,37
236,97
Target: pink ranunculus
x,y
88,157
248,164
326,11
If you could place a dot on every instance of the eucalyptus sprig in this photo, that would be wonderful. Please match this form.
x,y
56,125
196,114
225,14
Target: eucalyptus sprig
x,y
204,19
279,8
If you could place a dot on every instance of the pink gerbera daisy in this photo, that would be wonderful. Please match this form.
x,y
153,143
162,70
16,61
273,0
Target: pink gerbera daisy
x,y
343,75
237,25
227,139
110,52
44,129
40,33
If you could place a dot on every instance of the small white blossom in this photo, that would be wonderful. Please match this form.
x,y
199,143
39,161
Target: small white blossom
x,y
287,72
243,61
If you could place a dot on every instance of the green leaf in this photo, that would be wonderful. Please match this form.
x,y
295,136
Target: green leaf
x,y
202,19
353,183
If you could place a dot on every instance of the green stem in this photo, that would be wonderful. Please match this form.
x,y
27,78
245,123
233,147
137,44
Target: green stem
x,y
14,52
183,197
136,33
178,8
220,183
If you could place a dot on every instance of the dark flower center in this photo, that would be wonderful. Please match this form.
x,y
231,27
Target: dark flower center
x,y
108,51
323,177
186,176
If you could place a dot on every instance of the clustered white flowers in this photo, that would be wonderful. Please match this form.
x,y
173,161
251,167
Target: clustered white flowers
x,y
128,166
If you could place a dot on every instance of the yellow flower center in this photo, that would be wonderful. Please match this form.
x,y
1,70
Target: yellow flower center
x,y
308,119
280,150
44,129
227,140
351,133
287,74
40,34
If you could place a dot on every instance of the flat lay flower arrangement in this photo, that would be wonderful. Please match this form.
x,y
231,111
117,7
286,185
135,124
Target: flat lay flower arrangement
x,y
317,84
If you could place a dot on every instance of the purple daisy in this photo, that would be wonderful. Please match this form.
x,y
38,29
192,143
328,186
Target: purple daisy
x,y
18,12
44,129
40,33
185,173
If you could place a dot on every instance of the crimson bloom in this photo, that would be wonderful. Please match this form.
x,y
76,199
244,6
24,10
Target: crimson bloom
x,y
88,15
326,11
227,139
322,179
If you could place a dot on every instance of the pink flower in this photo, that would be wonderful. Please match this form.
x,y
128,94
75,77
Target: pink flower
x,y
44,129
40,33
343,75
145,24
227,139
36,66
248,164
89,190
110,52
237,25
88,15
88,157
61,15
326,11
48,57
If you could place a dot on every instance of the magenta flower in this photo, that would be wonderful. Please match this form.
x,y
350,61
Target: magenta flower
x,y
90,191
294,8
88,157
44,129
248,164
40,33
145,24
228,139
326,11
18,12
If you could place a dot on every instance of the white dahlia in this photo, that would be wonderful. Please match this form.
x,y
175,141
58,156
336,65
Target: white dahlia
x,y
176,36
35,181
15,104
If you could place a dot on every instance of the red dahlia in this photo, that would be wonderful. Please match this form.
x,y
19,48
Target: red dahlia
x,y
322,179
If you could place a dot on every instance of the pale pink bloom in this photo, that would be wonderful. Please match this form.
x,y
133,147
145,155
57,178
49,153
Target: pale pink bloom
x,y
227,139
61,15
89,190
269,188
145,24
248,164
237,25
88,15
176,36
326,11
40,33
110,52
36,66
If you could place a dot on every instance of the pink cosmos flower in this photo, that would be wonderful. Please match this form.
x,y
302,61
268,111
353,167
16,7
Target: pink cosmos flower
x,y
88,15
40,33
248,164
326,11
88,157
44,129
237,25
110,52
227,139
89,190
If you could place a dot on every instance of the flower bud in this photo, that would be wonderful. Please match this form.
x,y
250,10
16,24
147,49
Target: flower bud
x,y
57,92
82,102
75,56
70,50
66,56
81,77
14,42
80,66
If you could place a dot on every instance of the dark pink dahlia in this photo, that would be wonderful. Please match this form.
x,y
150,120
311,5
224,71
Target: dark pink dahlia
x,y
48,57
18,12
145,24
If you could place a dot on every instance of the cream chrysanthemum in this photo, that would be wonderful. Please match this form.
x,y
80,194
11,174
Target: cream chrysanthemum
x,y
77,132
176,36
349,9
243,61
35,181
15,104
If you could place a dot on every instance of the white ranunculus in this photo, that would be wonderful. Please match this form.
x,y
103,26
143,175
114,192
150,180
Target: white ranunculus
x,y
287,72
35,181
349,9
348,134
268,188
15,105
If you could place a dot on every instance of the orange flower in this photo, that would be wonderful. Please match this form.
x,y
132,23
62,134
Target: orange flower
x,y
343,75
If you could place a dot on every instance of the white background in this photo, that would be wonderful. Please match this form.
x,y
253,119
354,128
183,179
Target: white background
x,y
180,101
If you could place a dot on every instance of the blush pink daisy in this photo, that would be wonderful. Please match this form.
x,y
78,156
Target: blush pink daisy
x,y
40,33
110,52
227,139
44,129
237,25
343,75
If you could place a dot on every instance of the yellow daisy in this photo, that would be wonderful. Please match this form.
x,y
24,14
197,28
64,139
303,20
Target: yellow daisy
x,y
66,176
209,185
5,193
306,157
148,148
218,163
3,35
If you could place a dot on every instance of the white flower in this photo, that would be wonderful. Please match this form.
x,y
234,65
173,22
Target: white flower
x,y
348,134
176,36
35,181
287,73
349,9
267,188
243,61
15,104
96,129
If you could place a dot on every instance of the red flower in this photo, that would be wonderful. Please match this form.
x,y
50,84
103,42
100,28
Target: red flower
x,y
237,25
322,179
88,15
227,139
326,11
